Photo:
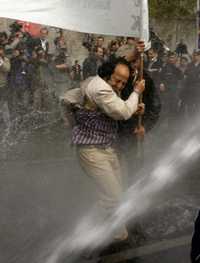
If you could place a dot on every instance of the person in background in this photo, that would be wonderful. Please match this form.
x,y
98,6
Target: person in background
x,y
183,63
60,43
3,39
154,67
76,73
14,41
112,50
61,68
191,93
92,63
181,48
42,41
171,76
4,70
42,85
18,81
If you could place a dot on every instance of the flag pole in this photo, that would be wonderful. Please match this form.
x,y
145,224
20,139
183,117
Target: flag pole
x,y
140,147
141,75
144,35
198,24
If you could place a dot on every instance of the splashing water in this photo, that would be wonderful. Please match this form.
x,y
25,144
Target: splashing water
x,y
23,125
138,198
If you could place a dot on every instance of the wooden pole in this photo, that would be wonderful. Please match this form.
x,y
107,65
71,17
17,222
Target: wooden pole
x,y
141,75
140,148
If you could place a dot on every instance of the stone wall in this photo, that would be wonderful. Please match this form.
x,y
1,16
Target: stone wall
x,y
174,30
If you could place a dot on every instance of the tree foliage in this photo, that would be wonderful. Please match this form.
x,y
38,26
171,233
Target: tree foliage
x,y
169,9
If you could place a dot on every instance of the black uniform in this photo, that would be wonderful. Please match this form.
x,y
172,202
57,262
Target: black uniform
x,y
170,76
152,103
154,68
129,144
195,250
190,94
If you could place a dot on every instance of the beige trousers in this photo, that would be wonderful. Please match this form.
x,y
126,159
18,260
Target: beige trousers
x,y
103,166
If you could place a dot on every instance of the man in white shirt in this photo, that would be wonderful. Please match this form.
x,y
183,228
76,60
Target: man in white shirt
x,y
42,41
96,127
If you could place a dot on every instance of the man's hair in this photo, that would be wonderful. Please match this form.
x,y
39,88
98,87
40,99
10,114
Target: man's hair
x,y
44,29
3,34
100,37
96,48
172,54
107,68
113,43
130,38
155,50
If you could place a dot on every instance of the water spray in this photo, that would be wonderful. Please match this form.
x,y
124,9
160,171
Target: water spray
x,y
137,199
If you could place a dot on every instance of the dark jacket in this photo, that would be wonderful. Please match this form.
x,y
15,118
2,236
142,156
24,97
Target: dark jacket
x,y
152,103
181,49
154,69
171,75
37,43
191,86
195,249
18,75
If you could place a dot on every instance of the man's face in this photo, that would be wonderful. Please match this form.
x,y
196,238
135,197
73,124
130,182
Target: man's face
x,y
43,34
99,53
131,41
172,60
196,58
2,38
41,54
119,78
1,52
114,47
151,54
61,43
183,62
16,53
100,41
34,54
19,34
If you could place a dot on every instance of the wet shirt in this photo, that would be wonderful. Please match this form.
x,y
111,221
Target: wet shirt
x,y
93,128
99,125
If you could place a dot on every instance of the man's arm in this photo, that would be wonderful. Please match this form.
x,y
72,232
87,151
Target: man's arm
x,y
152,104
5,65
115,107
107,100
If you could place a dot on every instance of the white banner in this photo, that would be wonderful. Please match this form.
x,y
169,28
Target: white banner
x,y
109,17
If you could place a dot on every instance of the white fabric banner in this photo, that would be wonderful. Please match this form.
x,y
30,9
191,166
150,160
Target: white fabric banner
x,y
109,17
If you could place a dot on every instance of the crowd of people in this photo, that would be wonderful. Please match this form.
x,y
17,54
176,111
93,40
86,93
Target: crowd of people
x,y
175,74
33,79
107,115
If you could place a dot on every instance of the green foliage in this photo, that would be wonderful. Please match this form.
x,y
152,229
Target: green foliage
x,y
169,9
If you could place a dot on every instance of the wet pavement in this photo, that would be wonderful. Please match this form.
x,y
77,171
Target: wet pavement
x,y
43,194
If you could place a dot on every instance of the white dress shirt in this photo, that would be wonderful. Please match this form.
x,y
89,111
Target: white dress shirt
x,y
101,93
